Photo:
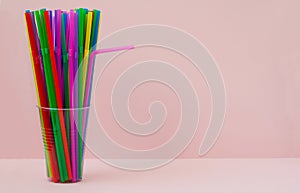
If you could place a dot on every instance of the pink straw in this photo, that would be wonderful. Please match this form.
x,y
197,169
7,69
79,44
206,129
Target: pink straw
x,y
91,64
58,47
76,95
87,96
71,81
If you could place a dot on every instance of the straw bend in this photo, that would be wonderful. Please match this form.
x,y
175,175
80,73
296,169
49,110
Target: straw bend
x,y
107,50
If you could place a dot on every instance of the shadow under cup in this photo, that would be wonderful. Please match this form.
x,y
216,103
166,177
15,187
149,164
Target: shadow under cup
x,y
64,133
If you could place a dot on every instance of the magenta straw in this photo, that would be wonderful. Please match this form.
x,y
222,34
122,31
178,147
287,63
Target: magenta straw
x,y
67,24
75,101
89,80
71,81
58,47
91,64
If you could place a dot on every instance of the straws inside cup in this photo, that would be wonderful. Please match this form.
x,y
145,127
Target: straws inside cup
x,y
62,45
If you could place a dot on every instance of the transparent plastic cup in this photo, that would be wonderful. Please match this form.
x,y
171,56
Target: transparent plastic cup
x,y
64,129
64,132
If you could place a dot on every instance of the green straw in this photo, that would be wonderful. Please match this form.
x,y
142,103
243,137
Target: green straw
x,y
40,20
81,22
66,79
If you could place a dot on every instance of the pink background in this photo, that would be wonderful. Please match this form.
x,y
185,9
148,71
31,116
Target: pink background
x,y
256,44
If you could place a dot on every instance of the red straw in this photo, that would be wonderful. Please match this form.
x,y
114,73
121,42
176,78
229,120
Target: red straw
x,y
57,92
43,98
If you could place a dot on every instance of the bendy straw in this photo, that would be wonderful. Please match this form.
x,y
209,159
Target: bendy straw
x,y
58,32
65,77
75,97
81,21
94,37
71,56
87,49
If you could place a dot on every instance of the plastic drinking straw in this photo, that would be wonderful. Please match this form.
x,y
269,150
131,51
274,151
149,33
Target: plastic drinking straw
x,y
58,47
71,82
58,96
90,74
102,51
81,20
93,45
75,98
64,54
65,79
42,96
85,67
107,50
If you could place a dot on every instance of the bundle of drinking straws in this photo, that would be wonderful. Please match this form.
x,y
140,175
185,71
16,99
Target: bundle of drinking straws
x,y
60,44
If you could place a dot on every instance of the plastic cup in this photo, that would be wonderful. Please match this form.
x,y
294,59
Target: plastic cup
x,y
64,132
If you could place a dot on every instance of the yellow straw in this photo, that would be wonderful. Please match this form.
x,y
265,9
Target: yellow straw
x,y
87,48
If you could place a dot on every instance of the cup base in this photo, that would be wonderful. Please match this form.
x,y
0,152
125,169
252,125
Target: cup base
x,y
66,182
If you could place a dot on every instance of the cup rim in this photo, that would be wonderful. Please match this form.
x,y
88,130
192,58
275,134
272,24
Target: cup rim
x,y
62,109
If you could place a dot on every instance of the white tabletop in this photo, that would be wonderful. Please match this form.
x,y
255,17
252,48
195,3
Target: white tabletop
x,y
182,175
